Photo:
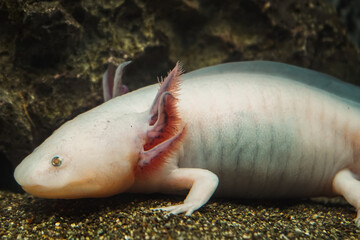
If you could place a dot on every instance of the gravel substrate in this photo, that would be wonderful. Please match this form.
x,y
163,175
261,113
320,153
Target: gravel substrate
x,y
129,217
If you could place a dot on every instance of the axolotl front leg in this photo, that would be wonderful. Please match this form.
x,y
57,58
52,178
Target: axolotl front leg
x,y
201,182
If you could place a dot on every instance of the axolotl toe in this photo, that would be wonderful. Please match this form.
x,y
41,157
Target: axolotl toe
x,y
247,130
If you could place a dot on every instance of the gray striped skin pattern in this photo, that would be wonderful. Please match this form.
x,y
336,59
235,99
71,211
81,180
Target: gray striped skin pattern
x,y
286,141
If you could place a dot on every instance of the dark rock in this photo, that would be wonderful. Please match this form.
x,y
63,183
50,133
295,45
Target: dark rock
x,y
53,53
47,36
349,12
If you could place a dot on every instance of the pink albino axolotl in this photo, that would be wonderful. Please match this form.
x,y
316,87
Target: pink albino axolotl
x,y
247,130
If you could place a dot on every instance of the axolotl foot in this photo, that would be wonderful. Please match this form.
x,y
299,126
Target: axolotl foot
x,y
187,208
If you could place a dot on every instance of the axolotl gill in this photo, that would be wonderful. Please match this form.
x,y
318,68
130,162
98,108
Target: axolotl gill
x,y
254,129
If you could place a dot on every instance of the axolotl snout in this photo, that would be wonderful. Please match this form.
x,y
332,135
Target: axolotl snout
x,y
248,130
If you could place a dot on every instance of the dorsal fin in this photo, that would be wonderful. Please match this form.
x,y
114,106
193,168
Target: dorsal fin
x,y
166,129
348,92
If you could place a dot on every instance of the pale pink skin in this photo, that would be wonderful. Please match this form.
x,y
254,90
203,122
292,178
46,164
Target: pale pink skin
x,y
249,135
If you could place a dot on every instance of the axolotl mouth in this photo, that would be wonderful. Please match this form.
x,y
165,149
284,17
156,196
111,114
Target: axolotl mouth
x,y
70,191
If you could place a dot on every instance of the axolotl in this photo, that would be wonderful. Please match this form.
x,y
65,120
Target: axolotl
x,y
254,129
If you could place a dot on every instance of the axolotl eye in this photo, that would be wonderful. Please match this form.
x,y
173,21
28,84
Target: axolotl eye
x,y
56,161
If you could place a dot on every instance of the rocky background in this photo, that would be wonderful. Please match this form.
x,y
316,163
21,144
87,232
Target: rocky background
x,y
349,13
53,53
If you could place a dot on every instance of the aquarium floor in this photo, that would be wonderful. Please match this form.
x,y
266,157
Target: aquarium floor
x,y
129,216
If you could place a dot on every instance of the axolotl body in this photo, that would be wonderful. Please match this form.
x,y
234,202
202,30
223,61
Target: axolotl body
x,y
245,130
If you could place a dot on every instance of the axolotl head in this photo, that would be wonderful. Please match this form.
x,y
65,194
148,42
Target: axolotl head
x,y
103,151
90,156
